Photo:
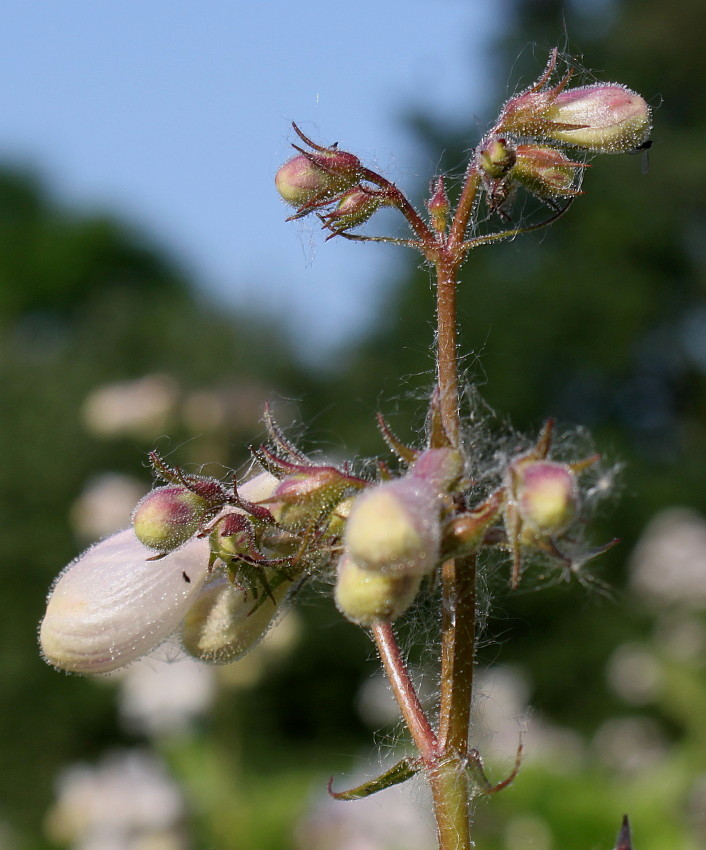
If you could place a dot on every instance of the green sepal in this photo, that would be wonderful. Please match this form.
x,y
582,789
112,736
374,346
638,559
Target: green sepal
x,y
400,772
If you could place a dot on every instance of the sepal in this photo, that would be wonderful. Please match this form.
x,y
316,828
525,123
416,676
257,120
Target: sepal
x,y
398,773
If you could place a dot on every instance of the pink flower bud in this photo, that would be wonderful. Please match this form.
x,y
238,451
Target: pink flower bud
x,y
302,497
168,516
114,604
440,468
612,118
299,181
365,597
547,496
394,528
603,117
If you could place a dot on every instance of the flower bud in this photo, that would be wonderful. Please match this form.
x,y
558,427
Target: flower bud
x,y
603,117
439,468
168,516
439,206
233,535
496,158
225,621
113,603
354,208
610,118
547,496
366,597
301,497
546,172
299,181
394,528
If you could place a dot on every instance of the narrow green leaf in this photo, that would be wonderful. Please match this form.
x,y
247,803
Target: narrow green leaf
x,y
400,772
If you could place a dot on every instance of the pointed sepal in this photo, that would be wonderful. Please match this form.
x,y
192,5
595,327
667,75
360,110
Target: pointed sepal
x,y
398,773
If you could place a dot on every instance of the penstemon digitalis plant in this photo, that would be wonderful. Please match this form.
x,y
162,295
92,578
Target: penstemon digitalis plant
x,y
217,562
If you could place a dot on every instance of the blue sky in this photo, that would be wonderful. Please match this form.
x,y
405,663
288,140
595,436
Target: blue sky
x,y
175,114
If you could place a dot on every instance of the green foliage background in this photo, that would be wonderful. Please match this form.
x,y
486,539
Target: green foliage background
x,y
600,321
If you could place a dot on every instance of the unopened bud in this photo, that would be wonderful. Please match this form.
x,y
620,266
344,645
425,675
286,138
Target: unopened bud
x,y
440,468
354,208
394,528
302,497
546,494
366,597
168,516
299,181
603,117
612,118
225,621
496,158
439,206
546,172
233,535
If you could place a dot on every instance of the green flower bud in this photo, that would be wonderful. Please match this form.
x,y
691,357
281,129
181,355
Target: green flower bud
x,y
354,208
394,528
366,597
546,172
496,158
168,517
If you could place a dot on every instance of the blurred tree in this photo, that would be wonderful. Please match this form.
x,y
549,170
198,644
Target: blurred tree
x,y
84,301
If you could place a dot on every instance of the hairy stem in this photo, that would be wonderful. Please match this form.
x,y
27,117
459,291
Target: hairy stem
x,y
458,581
451,793
404,691
446,353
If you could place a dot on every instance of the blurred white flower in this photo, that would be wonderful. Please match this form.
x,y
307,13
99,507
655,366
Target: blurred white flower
x,y
234,406
126,802
630,744
634,674
668,565
160,698
141,408
528,832
106,505
502,716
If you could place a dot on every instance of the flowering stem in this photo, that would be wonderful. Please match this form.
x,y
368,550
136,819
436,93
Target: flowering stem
x,y
404,690
446,355
458,578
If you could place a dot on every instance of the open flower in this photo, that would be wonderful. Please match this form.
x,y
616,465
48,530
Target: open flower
x,y
114,603
118,601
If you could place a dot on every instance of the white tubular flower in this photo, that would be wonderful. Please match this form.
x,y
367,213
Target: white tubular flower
x,y
112,604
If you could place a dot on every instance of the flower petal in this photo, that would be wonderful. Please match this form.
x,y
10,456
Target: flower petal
x,y
112,604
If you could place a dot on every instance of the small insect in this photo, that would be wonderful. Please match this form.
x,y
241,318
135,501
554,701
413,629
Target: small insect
x,y
186,577
644,150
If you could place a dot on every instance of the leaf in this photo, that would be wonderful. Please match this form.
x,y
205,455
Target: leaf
x,y
400,772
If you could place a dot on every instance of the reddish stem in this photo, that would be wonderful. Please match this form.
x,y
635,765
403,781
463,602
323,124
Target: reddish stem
x,y
404,690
